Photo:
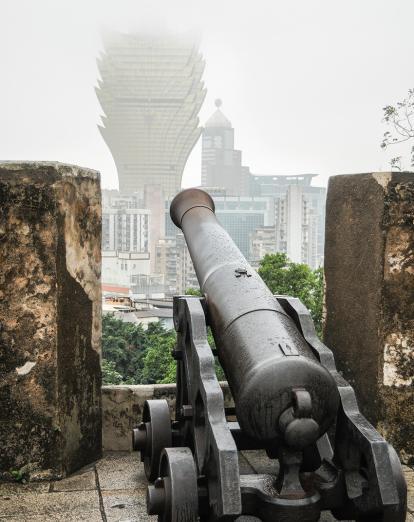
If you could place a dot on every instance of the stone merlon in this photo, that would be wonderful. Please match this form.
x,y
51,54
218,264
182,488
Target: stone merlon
x,y
369,272
50,314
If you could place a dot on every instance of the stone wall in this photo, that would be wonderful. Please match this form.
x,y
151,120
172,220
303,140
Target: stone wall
x,y
50,315
369,274
122,410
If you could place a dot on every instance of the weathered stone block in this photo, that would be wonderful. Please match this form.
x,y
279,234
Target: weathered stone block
x,y
50,315
122,408
369,273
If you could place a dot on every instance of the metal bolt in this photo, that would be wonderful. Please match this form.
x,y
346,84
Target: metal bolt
x,y
139,437
177,354
241,271
156,498
159,482
186,411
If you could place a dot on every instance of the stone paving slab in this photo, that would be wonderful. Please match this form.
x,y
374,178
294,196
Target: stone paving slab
x,y
113,490
49,504
15,488
259,462
89,516
409,477
244,466
125,506
119,470
81,481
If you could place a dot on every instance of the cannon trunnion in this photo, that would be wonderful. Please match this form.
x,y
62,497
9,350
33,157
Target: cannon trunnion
x,y
289,401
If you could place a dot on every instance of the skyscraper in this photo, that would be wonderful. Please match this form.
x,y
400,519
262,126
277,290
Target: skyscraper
x,y
221,163
150,91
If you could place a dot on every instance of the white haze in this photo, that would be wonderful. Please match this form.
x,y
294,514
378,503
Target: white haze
x,y
302,82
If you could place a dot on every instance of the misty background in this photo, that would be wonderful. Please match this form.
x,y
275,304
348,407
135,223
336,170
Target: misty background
x,y
303,83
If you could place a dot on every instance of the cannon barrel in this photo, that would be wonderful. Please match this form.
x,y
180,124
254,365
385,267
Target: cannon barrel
x,y
281,391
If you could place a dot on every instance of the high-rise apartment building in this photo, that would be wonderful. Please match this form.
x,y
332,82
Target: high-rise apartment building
x,y
174,262
150,91
166,263
221,163
262,242
125,229
299,216
241,216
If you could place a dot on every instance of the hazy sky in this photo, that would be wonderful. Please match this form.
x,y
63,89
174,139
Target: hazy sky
x,y
303,82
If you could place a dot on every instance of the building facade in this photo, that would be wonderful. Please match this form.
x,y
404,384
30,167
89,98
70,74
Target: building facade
x,y
125,229
174,262
221,163
126,238
150,91
299,215
239,216
262,242
118,268
166,263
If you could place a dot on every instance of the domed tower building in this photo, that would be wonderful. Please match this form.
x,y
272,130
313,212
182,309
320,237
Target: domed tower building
x,y
221,164
150,91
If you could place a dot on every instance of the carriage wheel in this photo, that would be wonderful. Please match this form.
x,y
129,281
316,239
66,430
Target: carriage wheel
x,y
153,435
174,496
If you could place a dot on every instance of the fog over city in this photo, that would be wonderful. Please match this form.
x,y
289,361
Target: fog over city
x,y
303,83
207,260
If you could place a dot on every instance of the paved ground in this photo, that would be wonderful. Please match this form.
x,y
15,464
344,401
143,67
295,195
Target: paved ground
x,y
111,490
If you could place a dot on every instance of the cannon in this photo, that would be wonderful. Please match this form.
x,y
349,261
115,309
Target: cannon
x,y
290,402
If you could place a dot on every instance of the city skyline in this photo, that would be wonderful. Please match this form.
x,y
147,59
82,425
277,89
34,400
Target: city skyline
x,y
303,83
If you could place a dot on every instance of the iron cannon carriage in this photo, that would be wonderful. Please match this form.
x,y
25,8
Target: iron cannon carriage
x,y
289,400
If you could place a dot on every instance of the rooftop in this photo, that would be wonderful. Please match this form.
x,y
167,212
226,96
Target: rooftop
x,y
217,119
112,489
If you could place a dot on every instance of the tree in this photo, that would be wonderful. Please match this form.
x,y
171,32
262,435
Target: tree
x,y
284,277
132,355
125,345
159,365
401,120
109,373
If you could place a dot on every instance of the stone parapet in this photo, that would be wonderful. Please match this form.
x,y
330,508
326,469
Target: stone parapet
x,y
122,410
50,315
369,275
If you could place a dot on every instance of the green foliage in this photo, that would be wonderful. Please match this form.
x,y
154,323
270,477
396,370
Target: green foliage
x,y
193,291
159,366
124,344
284,277
109,373
132,355
18,475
